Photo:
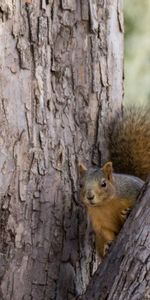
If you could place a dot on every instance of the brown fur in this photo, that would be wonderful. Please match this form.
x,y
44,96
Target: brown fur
x,y
107,221
129,142
129,146
106,208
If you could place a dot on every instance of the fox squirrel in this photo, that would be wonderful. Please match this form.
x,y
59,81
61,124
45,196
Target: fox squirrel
x,y
109,196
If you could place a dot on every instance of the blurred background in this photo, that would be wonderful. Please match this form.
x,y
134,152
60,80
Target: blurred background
x,y
137,51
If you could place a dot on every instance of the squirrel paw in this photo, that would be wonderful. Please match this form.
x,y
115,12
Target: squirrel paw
x,y
106,247
125,213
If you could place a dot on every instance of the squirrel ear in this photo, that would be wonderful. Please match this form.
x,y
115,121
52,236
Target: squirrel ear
x,y
107,169
82,168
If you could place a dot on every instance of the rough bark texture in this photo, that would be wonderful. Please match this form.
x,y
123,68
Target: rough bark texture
x,y
125,272
60,79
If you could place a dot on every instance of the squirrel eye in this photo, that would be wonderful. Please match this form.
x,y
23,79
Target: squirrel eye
x,y
81,185
103,183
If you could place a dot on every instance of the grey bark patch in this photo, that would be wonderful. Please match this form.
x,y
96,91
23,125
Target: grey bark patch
x,y
53,92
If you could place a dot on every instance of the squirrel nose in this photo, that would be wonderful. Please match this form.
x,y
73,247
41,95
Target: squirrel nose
x,y
90,195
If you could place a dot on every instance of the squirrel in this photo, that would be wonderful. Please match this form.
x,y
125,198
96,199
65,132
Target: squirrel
x,y
109,196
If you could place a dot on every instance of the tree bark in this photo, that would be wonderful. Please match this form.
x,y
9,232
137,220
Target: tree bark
x,y
125,272
61,70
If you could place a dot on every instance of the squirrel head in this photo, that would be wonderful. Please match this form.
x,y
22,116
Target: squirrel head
x,y
96,184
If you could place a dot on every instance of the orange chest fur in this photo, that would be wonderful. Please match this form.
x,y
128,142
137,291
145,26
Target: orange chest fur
x,y
108,216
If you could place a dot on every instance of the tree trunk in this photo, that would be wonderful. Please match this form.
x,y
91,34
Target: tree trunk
x,y
61,69
125,272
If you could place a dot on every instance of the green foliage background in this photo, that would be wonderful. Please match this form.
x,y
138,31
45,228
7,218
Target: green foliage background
x,y
137,51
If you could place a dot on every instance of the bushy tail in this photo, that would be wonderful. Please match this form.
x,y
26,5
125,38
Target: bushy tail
x,y
129,141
